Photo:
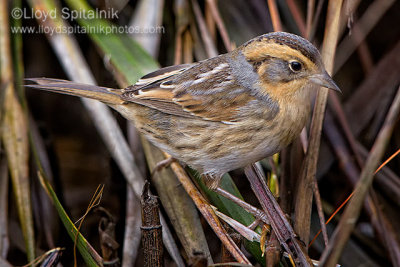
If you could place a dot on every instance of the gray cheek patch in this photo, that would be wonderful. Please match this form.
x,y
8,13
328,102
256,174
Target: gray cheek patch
x,y
277,71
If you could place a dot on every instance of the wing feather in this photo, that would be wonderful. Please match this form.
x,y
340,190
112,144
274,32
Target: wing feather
x,y
205,90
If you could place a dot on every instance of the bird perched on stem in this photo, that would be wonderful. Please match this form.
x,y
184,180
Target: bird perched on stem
x,y
222,113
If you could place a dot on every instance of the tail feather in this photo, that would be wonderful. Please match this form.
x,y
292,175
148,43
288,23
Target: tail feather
x,y
103,94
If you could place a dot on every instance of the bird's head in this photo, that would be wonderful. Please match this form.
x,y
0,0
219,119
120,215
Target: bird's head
x,y
286,63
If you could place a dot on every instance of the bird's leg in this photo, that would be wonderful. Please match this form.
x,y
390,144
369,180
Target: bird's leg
x,y
162,164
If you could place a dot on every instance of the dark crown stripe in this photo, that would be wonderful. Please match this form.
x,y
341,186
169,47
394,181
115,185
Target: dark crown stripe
x,y
293,41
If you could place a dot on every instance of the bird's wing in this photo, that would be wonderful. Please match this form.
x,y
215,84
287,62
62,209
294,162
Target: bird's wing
x,y
206,90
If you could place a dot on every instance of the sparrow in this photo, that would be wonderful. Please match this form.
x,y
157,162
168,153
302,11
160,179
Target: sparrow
x,y
221,113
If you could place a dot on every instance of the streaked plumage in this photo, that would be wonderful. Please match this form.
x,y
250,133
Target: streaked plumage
x,y
222,113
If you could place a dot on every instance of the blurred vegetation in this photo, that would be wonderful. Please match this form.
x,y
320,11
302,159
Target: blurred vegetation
x,y
55,151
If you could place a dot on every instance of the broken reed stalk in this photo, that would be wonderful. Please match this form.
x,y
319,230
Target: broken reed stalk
x,y
153,248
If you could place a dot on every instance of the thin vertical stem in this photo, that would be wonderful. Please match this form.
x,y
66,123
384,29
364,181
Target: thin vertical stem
x,y
306,180
273,10
352,212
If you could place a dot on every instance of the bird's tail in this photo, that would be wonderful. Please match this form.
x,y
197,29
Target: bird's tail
x,y
103,94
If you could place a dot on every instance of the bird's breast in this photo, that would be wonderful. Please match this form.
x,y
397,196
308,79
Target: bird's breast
x,y
293,118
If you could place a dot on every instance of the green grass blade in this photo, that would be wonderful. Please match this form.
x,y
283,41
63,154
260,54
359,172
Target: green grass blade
x,y
85,249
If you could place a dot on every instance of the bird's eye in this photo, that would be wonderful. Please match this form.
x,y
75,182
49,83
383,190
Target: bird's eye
x,y
295,66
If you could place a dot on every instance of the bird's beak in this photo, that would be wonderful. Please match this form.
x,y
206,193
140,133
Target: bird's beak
x,y
324,80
